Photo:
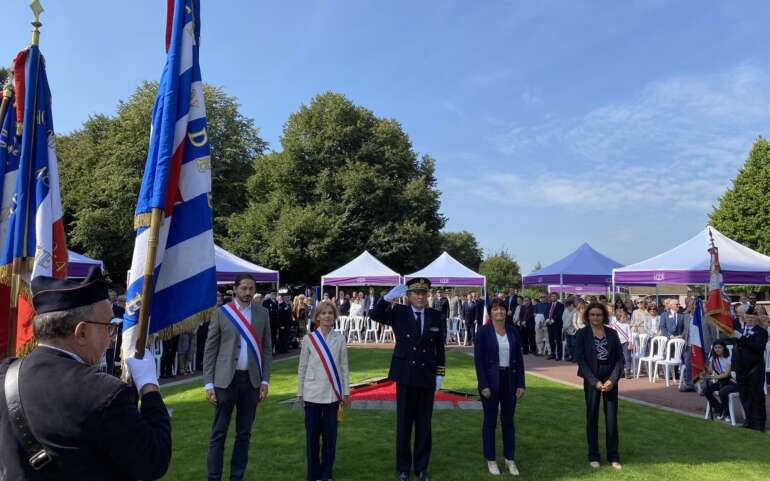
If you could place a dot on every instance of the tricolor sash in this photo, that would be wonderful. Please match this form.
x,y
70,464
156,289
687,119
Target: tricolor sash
x,y
247,333
615,325
327,361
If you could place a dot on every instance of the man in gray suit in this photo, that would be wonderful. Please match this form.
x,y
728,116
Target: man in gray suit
x,y
233,378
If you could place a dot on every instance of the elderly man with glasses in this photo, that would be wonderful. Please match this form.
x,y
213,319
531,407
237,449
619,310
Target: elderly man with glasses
x,y
62,419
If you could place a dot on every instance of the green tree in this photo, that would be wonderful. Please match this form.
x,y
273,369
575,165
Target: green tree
x,y
4,72
743,211
463,247
101,168
501,270
346,180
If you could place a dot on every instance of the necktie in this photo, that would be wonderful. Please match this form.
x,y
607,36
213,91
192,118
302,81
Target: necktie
x,y
419,321
553,307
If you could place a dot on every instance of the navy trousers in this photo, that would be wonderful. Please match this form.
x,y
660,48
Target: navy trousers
x,y
414,409
320,421
506,402
242,396
593,398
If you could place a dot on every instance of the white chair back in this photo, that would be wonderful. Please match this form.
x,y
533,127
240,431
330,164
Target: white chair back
x,y
641,344
658,348
674,349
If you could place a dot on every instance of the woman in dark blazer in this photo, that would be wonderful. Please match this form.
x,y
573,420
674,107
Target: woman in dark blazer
x,y
600,364
500,373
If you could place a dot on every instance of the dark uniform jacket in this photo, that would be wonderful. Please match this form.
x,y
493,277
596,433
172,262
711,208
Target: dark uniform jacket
x,y
750,354
88,421
272,309
418,357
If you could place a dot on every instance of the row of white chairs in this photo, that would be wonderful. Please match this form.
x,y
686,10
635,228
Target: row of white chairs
x,y
361,329
660,352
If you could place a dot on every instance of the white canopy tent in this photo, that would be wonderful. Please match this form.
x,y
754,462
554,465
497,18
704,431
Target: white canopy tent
x,y
449,272
229,266
364,270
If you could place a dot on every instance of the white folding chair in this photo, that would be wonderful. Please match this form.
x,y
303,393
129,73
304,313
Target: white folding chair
x,y
356,329
640,349
387,335
453,331
340,325
673,358
372,329
156,349
733,399
656,353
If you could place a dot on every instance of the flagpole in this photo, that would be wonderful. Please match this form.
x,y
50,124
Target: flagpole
x,y
142,324
18,263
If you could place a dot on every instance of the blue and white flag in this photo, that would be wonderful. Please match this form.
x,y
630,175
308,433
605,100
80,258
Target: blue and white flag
x,y
177,179
9,164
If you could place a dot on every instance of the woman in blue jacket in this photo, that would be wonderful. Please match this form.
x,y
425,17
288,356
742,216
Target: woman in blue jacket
x,y
500,373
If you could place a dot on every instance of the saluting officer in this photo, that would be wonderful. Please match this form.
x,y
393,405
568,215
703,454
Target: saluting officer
x,y
417,367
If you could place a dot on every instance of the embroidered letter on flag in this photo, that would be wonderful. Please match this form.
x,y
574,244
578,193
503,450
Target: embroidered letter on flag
x,y
33,241
177,179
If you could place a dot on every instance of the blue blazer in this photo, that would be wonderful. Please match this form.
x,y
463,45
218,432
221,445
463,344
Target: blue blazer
x,y
671,325
486,356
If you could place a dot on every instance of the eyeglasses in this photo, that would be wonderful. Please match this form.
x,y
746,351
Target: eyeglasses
x,y
112,329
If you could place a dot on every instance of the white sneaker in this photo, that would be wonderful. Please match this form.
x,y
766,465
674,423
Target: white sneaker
x,y
493,469
512,467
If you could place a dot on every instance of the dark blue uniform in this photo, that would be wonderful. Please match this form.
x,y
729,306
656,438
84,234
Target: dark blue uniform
x,y
88,421
418,358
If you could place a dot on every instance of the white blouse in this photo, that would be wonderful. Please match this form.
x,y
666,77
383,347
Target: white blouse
x,y
504,349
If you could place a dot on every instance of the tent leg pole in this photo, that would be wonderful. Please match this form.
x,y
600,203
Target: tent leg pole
x,y
657,297
612,295
561,287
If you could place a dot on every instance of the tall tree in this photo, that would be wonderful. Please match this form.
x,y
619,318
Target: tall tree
x,y
101,168
502,271
743,211
463,247
4,72
346,180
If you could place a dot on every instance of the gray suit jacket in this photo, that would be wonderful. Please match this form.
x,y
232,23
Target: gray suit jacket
x,y
224,343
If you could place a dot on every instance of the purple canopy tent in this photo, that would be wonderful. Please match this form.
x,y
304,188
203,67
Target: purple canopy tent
x,y
572,289
364,270
584,266
229,266
689,263
447,271
78,265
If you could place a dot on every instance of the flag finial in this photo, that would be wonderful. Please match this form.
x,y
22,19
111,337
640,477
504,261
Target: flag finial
x,y
37,9
711,238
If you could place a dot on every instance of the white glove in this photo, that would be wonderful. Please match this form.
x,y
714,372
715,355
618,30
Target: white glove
x,y
142,371
398,291
438,382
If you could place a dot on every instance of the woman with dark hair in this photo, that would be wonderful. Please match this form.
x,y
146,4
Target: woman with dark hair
x,y
500,373
600,364
719,377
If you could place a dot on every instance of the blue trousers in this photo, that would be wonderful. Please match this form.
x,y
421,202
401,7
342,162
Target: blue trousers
x,y
505,402
320,421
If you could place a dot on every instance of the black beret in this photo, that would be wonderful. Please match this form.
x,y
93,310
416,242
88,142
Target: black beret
x,y
50,294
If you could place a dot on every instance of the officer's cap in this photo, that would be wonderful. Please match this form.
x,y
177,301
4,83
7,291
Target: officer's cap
x,y
50,294
418,284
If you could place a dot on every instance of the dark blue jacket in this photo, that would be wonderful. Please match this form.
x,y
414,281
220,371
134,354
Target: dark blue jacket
x,y
486,356
418,357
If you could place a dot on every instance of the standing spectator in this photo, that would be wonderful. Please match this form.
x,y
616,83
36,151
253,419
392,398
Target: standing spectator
x,y
478,313
568,330
370,302
299,311
638,317
356,306
554,323
455,305
623,328
525,321
511,302
541,330
686,371
343,303
469,316
284,325
185,349
750,368
672,321
272,310
652,322
442,306
323,386
500,373
600,364
168,357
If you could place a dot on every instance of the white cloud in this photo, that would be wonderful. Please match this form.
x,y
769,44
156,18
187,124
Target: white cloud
x,y
676,144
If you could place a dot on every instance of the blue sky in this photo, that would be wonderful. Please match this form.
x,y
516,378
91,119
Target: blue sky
x,y
552,122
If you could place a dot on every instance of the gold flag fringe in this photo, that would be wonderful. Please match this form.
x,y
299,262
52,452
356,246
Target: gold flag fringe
x,y
6,271
143,220
186,325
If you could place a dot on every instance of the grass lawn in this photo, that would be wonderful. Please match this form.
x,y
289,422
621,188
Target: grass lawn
x,y
550,436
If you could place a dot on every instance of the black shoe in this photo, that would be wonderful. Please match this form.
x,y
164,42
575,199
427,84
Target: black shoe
x,y
551,358
423,476
403,476
686,389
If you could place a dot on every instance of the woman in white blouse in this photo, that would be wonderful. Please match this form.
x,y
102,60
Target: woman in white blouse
x,y
357,305
323,388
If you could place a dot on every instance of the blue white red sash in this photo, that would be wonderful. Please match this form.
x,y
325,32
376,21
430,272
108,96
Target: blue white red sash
x,y
327,361
616,326
247,333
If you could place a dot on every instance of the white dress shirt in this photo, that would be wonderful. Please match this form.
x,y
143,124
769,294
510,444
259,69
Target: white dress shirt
x,y
243,353
504,349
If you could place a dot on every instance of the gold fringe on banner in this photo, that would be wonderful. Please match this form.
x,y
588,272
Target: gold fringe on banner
x,y
186,325
26,348
6,271
143,220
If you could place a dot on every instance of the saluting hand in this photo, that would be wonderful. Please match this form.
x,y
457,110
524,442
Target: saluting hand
x,y
211,397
